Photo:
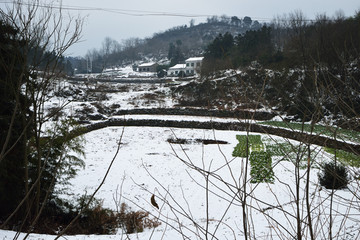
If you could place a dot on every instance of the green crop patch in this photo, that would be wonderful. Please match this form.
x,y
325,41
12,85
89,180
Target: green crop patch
x,y
247,142
257,148
297,154
240,150
261,167
341,133
279,149
260,161
344,157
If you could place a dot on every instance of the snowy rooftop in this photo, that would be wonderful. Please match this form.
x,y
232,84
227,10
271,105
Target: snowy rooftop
x,y
147,64
194,59
178,66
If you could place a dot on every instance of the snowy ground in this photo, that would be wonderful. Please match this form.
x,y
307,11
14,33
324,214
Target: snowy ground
x,y
147,164
92,98
119,72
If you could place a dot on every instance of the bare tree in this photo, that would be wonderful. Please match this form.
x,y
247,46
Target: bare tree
x,y
45,32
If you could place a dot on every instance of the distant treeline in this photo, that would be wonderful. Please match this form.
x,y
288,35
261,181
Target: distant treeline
x,y
291,41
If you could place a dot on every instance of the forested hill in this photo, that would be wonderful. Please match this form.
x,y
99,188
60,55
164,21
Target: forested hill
x,y
194,38
189,39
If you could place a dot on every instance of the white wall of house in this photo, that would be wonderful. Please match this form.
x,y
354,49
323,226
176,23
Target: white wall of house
x,y
193,65
175,70
147,67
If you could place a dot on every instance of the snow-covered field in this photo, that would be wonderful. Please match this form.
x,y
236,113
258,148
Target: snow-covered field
x,y
196,186
120,72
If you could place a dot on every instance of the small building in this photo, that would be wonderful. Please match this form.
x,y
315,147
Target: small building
x,y
193,65
176,70
147,67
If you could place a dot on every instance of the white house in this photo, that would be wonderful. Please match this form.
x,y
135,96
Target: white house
x,y
147,67
193,65
175,70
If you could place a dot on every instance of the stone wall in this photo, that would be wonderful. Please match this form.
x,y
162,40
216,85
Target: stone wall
x,y
233,126
240,114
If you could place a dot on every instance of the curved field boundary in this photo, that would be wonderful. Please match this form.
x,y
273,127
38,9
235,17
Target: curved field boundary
x,y
239,114
233,126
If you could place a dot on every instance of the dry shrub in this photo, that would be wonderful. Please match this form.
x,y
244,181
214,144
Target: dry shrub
x,y
98,220
100,107
123,88
137,221
86,109
150,96
95,219
114,106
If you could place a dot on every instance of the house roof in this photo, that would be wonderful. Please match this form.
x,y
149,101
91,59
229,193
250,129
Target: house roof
x,y
194,59
178,66
147,64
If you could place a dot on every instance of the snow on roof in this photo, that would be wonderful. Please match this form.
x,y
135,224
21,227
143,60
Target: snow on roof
x,y
194,59
178,66
147,64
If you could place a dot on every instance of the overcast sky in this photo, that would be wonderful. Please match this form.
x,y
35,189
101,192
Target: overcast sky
x,y
122,19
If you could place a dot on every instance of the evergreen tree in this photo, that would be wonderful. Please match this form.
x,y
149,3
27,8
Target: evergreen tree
x,y
254,46
30,164
220,47
217,54
14,119
57,157
175,54
247,21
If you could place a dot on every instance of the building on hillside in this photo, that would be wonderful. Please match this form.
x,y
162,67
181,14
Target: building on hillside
x,y
193,65
176,70
147,67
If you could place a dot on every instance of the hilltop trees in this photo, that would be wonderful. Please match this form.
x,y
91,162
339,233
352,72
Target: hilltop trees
x,y
220,47
254,46
227,51
247,21
218,53
175,54
235,21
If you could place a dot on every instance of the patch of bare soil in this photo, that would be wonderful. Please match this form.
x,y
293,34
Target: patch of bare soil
x,y
195,141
